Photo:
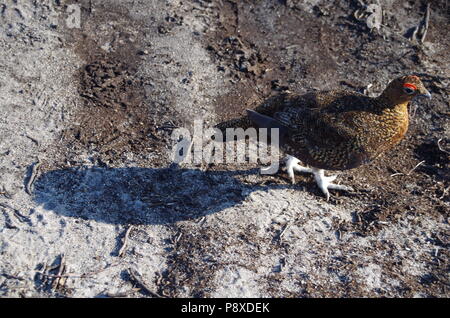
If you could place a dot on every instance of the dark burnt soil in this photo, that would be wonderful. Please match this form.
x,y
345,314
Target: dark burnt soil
x,y
262,48
115,117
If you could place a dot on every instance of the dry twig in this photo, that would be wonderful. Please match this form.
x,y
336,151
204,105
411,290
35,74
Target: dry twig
x,y
60,280
137,278
33,139
121,294
22,218
125,241
73,275
283,231
425,24
33,176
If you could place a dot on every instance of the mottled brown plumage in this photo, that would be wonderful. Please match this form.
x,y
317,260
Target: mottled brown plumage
x,y
338,130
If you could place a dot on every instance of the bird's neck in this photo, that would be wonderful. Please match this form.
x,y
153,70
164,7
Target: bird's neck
x,y
395,115
401,108
390,104
390,98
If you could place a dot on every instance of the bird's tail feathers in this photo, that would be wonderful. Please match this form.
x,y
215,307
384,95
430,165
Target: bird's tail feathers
x,y
263,121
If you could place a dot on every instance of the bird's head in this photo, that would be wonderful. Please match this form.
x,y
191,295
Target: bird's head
x,y
405,88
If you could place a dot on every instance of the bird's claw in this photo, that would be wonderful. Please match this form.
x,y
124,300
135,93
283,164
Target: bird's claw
x,y
325,183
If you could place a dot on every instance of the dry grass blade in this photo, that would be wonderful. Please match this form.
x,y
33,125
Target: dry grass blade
x,y
409,172
417,166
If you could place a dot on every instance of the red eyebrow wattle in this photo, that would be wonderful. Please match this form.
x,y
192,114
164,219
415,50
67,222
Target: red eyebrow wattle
x,y
410,86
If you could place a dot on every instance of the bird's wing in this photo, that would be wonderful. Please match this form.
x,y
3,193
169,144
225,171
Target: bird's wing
x,y
326,140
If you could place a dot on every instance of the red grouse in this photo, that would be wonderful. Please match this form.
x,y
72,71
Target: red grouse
x,y
338,130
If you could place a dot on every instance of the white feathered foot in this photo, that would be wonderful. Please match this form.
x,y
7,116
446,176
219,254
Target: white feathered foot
x,y
324,182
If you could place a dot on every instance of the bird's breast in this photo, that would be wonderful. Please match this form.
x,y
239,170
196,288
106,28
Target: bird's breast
x,y
388,129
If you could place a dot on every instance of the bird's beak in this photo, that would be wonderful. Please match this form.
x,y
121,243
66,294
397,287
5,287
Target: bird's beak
x,y
425,93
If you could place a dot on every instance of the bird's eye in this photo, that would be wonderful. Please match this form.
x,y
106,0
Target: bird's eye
x,y
408,90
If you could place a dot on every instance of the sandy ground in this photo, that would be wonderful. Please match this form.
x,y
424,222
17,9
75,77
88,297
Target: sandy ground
x,y
90,205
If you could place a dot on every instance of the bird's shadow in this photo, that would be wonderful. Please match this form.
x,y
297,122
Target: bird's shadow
x,y
141,195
